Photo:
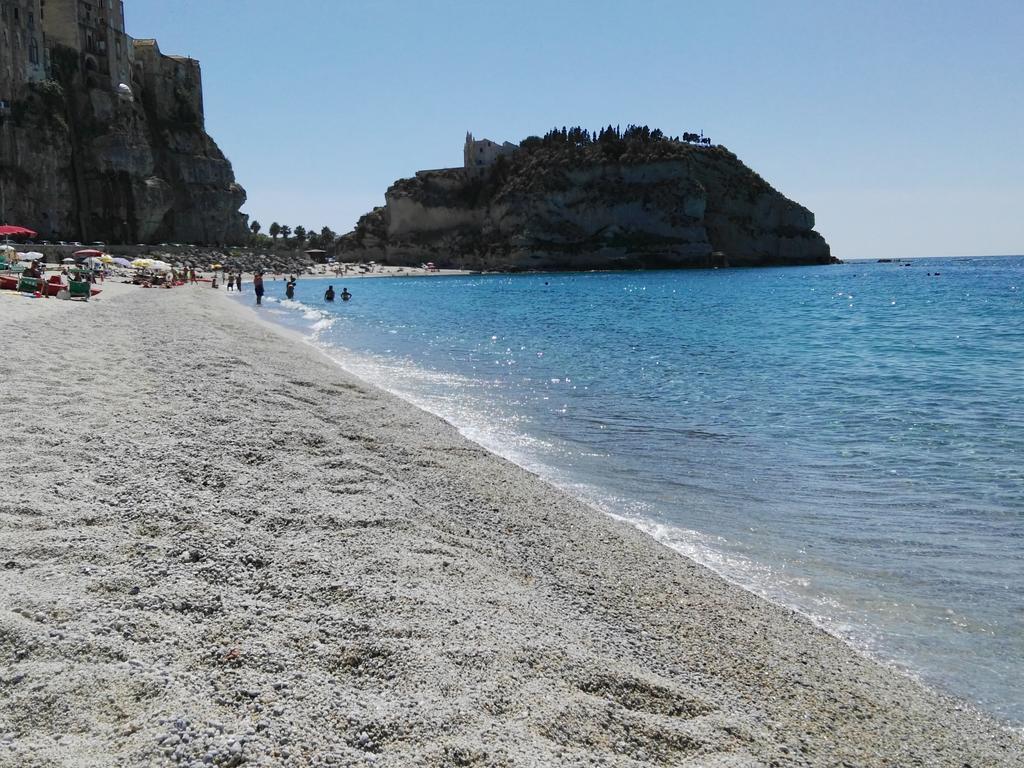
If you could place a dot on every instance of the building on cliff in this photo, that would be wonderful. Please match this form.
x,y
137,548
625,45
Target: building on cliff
x,y
480,154
22,52
173,83
95,30
102,137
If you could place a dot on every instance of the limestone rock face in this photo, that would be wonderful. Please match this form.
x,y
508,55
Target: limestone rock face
x,y
665,205
86,164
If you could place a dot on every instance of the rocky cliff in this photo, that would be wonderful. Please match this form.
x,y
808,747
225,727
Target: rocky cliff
x,y
81,162
624,201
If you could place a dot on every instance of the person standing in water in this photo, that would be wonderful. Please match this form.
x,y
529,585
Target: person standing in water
x,y
289,289
345,295
257,284
329,293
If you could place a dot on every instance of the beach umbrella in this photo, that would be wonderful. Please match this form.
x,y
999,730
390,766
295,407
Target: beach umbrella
x,y
67,261
160,266
141,263
7,230
121,262
86,252
216,266
34,255
107,259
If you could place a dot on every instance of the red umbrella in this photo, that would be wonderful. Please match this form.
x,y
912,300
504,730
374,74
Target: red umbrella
x,y
85,252
7,230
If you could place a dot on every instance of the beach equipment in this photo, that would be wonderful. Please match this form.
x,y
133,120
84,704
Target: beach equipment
x,y
8,230
29,284
33,255
120,261
86,252
79,290
106,259
141,263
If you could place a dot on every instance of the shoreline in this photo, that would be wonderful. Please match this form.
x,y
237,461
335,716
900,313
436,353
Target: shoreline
x,y
228,545
823,623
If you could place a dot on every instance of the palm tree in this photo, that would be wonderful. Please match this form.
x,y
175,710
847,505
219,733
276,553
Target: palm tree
x,y
275,230
255,227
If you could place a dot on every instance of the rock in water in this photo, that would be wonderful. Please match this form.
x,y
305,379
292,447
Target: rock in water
x,y
632,201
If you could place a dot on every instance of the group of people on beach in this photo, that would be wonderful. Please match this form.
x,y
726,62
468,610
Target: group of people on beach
x,y
234,282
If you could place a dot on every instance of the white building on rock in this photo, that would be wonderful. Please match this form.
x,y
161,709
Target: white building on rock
x,y
479,155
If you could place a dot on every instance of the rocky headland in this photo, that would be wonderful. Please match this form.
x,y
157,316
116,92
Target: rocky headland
x,y
83,161
576,200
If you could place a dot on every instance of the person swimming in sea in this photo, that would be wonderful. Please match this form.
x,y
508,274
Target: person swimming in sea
x,y
329,294
345,295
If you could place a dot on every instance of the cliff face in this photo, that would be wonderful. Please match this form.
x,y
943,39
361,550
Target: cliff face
x,y
623,204
84,163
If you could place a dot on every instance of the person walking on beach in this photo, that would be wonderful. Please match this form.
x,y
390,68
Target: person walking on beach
x,y
329,294
238,282
257,284
229,281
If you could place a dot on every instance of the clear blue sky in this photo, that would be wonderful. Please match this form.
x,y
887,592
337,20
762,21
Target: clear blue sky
x,y
899,124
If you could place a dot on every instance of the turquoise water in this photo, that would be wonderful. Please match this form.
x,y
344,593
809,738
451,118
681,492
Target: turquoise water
x,y
847,440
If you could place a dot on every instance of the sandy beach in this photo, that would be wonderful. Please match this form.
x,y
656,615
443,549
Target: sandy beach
x,y
219,548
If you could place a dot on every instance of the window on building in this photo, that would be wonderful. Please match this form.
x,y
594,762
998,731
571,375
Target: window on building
x,y
31,20
33,52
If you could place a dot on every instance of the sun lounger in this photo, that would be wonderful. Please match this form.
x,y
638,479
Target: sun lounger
x,y
78,290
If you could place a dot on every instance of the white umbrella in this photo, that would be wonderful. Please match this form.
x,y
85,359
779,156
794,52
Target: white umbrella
x,y
67,261
160,266
34,255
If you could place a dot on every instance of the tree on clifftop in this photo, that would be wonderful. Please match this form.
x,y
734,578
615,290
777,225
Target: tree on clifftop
x,y
275,230
300,235
255,227
285,232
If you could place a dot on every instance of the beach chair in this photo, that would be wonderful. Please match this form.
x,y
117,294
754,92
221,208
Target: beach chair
x,y
79,290
29,284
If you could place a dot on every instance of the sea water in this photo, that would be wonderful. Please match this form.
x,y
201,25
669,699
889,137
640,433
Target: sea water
x,y
847,440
